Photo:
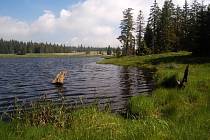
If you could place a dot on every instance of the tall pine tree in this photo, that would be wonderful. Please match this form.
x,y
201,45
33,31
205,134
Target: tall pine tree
x,y
178,29
167,36
127,27
153,21
148,37
140,32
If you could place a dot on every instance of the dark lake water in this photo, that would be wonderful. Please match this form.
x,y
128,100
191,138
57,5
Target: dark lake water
x,y
28,79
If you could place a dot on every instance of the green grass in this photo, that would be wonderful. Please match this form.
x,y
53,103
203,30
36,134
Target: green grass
x,y
186,111
166,114
88,124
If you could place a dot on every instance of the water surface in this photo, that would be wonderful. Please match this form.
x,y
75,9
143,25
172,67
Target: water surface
x,y
28,79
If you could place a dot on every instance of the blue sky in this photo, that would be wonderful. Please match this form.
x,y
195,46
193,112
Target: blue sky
x,y
29,10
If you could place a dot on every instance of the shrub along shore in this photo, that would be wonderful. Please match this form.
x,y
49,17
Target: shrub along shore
x,y
167,113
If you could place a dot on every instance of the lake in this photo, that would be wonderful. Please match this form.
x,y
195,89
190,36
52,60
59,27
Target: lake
x,y
29,79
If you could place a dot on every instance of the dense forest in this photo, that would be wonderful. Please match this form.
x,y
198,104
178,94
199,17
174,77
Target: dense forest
x,y
19,47
172,28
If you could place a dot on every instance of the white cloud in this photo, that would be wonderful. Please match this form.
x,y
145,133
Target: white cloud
x,y
13,28
45,23
65,13
92,22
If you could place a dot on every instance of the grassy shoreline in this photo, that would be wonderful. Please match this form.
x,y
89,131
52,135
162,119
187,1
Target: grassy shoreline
x,y
168,113
186,111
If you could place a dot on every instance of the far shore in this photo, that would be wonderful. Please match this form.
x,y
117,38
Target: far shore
x,y
53,55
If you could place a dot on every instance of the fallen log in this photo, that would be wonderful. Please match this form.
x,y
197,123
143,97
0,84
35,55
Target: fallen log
x,y
181,84
59,79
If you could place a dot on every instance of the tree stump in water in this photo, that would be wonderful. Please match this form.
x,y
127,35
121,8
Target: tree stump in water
x,y
59,79
181,84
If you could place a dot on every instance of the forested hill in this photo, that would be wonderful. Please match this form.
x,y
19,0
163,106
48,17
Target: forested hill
x,y
19,47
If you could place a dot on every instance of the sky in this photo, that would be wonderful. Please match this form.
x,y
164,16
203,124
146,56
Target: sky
x,y
70,22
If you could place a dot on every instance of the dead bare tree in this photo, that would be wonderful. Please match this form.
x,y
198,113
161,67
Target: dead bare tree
x,y
181,84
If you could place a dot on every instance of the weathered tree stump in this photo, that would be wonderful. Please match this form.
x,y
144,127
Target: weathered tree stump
x,y
181,84
59,79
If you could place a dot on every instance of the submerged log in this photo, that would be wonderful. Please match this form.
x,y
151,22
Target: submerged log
x,y
59,79
181,84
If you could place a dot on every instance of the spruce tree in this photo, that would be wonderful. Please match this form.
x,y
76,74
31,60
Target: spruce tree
x,y
127,27
153,21
109,50
185,23
167,37
178,29
140,32
200,36
194,24
148,37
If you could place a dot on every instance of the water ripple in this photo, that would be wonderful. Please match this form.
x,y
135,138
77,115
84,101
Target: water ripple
x,y
28,79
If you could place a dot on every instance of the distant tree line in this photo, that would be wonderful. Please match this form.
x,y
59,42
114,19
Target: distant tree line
x,y
19,47
171,28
